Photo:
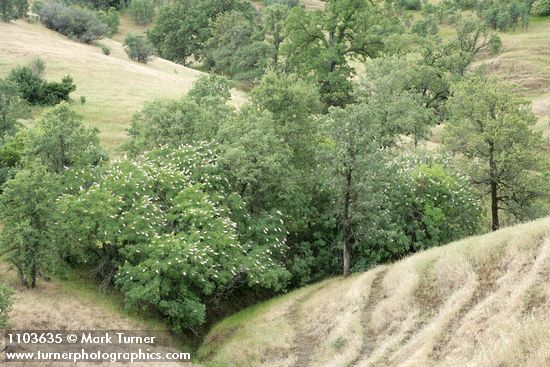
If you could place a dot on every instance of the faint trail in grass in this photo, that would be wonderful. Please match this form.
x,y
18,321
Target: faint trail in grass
x,y
376,294
304,342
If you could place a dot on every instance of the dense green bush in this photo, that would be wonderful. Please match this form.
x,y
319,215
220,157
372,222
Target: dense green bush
x,y
138,48
6,302
236,48
111,19
29,83
35,90
181,28
72,21
27,205
409,205
55,92
13,9
196,117
541,8
60,141
504,15
169,231
142,11
12,108
106,50
11,153
410,4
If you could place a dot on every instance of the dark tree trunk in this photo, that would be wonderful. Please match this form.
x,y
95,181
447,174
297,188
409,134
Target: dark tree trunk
x,y
347,226
331,64
495,223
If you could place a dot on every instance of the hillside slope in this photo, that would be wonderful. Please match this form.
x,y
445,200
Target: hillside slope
x,y
114,86
482,301
73,304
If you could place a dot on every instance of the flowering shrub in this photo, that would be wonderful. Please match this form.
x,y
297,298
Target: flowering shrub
x,y
424,204
167,229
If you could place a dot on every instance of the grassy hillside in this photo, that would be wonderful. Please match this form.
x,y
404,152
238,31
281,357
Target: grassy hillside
x,y
525,60
75,304
482,301
114,86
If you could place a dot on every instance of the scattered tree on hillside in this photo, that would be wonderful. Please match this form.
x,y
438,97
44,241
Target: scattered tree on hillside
x,y
75,22
13,9
138,48
322,42
142,11
12,108
504,15
181,28
472,39
196,117
27,207
274,18
35,89
354,139
490,128
60,141
402,92
111,19
236,48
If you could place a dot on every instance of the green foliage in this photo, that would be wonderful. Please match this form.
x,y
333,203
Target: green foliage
x,y
106,50
541,8
27,204
111,19
196,117
138,48
72,21
35,90
182,27
6,294
400,95
504,15
13,9
274,18
174,233
292,102
142,11
12,108
56,92
490,128
410,4
12,151
410,204
472,39
258,164
231,43
30,84
269,151
60,141
211,85
322,42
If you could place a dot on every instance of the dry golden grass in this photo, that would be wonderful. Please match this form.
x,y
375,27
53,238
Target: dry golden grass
x,y
128,25
313,4
482,301
114,86
65,305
